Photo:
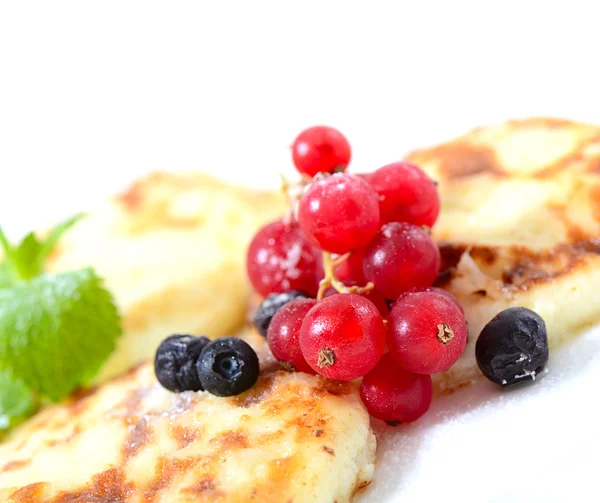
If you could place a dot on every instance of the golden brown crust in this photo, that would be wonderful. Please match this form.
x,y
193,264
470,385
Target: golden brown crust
x,y
475,154
29,493
15,464
461,159
148,202
521,268
158,445
520,226
172,250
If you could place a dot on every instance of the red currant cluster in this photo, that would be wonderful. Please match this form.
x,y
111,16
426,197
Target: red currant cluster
x,y
359,247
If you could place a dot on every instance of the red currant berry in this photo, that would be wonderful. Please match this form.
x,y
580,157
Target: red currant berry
x,y
400,257
378,301
394,394
364,176
320,149
373,295
351,269
280,258
284,331
426,332
339,213
343,337
406,194
435,289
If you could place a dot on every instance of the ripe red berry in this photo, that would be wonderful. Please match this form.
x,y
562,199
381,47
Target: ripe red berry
x,y
394,394
320,149
280,258
284,331
351,269
426,332
364,176
339,213
374,296
343,337
435,289
401,257
406,194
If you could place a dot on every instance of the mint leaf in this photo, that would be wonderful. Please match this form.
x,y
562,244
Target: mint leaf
x,y
16,401
27,259
6,275
5,244
57,330
50,242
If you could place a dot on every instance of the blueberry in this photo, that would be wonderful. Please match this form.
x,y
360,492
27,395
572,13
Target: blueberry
x,y
227,366
273,303
175,362
513,347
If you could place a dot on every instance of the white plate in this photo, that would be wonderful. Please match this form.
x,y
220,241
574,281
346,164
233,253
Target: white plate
x,y
538,442
94,94
534,443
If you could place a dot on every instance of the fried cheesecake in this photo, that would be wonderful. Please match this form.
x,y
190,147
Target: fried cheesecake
x,y
519,226
291,437
172,250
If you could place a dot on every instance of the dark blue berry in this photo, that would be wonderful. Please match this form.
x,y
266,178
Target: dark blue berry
x,y
227,366
513,347
273,303
175,362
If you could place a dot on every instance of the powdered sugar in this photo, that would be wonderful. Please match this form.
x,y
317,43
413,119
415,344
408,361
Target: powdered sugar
x,y
290,263
526,373
522,358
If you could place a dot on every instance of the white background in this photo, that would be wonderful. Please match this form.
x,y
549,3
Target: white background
x,y
93,94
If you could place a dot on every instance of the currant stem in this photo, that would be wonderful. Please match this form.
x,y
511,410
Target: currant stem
x,y
330,279
292,192
285,188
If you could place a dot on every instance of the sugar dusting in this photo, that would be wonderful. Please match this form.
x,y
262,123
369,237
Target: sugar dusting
x,y
457,450
526,373
290,263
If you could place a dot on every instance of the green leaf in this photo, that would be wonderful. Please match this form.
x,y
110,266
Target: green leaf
x,y
57,330
50,242
6,275
5,244
26,261
16,401
26,257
